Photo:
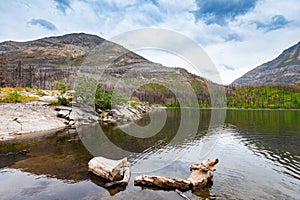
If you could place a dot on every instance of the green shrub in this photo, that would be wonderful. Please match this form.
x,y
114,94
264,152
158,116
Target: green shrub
x,y
88,91
63,101
134,104
62,88
14,96
105,99
40,92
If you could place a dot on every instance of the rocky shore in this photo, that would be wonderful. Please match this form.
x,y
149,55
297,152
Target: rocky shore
x,y
27,120
82,115
34,119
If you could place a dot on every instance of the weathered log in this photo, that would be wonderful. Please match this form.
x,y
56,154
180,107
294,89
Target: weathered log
x,y
122,183
107,168
201,176
162,182
182,195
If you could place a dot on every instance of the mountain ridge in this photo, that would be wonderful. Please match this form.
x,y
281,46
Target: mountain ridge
x,y
283,70
39,63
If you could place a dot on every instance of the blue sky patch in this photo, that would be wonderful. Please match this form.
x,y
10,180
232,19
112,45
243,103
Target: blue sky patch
x,y
220,11
155,2
227,67
63,5
43,23
277,22
232,37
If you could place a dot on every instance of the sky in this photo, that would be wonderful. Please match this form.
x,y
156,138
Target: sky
x,y
238,35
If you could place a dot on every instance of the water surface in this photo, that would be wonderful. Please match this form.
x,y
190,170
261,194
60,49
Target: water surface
x,y
259,155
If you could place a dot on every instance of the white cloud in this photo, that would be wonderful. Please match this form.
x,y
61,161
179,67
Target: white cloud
x,y
238,43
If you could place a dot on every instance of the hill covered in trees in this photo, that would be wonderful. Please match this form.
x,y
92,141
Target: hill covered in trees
x,y
268,96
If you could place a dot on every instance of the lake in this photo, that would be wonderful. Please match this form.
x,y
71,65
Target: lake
x,y
258,152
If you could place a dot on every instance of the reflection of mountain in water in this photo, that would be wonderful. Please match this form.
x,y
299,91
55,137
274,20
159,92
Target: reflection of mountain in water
x,y
273,134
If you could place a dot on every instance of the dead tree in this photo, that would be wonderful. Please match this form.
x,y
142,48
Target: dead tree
x,y
3,71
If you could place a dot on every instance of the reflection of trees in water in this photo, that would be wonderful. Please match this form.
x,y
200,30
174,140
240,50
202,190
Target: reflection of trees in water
x,y
273,134
61,156
181,126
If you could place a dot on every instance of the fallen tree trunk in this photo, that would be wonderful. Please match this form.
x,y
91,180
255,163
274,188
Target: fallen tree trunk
x,y
201,176
162,182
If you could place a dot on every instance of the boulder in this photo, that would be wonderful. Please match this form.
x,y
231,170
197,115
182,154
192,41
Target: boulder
x,y
63,113
48,98
59,108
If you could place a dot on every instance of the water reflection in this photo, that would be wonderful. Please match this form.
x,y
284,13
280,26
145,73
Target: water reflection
x,y
274,134
61,156
259,156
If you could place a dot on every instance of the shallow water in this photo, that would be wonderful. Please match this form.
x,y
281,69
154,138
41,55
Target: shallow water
x,y
259,155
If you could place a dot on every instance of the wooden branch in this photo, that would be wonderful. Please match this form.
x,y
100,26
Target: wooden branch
x,y
201,176
182,195
122,183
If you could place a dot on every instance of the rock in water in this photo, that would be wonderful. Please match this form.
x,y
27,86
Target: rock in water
x,y
107,168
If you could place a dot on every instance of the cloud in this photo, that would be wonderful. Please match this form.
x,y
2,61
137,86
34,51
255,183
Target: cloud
x,y
155,2
237,33
227,67
43,23
232,37
220,11
63,5
277,22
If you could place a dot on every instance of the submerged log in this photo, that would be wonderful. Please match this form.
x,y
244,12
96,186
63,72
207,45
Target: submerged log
x,y
106,168
201,176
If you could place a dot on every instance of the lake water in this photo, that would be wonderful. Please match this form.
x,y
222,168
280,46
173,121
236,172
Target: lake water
x,y
258,152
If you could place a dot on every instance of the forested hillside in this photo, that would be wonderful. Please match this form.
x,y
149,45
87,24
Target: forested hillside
x,y
268,96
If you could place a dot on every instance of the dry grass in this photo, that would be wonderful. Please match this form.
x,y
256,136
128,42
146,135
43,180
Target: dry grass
x,y
23,94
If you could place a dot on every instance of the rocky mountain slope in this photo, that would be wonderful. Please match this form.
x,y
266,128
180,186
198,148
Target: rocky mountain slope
x,y
283,70
40,62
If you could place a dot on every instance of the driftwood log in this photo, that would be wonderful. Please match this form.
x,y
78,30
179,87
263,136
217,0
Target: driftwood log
x,y
122,183
182,195
201,176
110,170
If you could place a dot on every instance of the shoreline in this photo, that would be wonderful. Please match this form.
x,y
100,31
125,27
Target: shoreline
x,y
21,121
225,108
26,121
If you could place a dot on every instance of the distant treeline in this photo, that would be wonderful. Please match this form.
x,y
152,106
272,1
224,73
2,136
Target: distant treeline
x,y
268,96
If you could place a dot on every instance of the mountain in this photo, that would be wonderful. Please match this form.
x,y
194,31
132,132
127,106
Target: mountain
x,y
41,62
283,70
